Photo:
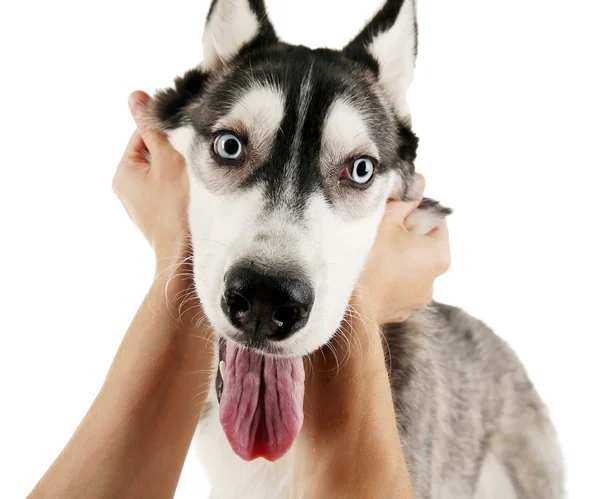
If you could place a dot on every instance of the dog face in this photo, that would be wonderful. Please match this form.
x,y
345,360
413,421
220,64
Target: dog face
x,y
292,154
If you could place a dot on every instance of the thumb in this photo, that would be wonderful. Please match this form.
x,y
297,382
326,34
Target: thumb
x,y
139,106
398,211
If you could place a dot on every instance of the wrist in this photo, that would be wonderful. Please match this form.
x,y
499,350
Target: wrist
x,y
353,386
171,253
365,304
173,291
329,469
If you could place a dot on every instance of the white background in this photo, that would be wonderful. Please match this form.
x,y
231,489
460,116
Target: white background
x,y
506,102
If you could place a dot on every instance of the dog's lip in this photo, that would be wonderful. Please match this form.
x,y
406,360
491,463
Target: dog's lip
x,y
219,378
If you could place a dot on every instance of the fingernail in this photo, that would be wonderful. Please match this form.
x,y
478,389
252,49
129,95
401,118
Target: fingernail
x,y
419,182
418,187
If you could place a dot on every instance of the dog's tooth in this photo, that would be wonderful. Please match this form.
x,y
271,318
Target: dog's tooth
x,y
222,367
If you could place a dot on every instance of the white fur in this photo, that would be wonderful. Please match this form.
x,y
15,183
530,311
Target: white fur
x,y
231,25
494,482
345,132
260,110
181,139
218,225
342,246
230,476
423,221
331,251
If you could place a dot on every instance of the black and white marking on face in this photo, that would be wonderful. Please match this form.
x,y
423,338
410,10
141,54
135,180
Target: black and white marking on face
x,y
301,126
292,153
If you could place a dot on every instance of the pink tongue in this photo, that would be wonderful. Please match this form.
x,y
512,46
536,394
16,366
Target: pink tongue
x,y
261,408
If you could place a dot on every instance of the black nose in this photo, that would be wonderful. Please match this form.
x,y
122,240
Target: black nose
x,y
266,306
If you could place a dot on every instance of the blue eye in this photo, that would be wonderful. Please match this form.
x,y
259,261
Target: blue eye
x,y
228,146
361,171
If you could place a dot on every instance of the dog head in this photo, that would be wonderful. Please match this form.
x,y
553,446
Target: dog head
x,y
292,154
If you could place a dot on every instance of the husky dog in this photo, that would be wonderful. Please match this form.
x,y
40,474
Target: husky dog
x,y
292,154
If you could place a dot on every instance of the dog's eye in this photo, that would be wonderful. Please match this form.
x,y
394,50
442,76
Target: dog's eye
x,y
361,171
228,146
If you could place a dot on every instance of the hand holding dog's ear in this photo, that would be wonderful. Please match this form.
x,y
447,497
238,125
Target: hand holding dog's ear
x,y
156,142
402,266
152,184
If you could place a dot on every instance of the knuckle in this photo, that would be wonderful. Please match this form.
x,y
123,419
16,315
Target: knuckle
x,y
178,160
445,262
427,297
402,316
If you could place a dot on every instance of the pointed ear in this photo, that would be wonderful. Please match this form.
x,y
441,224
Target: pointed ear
x,y
388,45
233,26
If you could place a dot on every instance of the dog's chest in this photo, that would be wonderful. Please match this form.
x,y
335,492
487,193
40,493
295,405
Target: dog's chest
x,y
231,477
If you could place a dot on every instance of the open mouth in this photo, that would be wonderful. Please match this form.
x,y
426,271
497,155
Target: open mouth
x,y
261,401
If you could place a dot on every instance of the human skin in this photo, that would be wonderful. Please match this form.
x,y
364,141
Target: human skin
x,y
134,439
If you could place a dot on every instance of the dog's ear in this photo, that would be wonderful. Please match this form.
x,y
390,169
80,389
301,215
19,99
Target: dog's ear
x,y
388,45
233,26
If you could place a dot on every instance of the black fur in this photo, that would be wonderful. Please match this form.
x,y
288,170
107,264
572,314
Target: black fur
x,y
428,203
169,104
408,145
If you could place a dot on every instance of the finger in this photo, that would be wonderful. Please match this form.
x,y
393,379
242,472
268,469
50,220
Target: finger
x,y
419,186
438,248
134,155
139,106
419,190
136,149
397,211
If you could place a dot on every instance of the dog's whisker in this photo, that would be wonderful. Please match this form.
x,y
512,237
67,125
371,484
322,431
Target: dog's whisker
x,y
214,241
208,340
200,371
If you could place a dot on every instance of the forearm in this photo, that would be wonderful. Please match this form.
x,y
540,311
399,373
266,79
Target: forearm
x,y
135,437
349,412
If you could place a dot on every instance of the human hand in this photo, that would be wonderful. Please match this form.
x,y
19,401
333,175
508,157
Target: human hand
x,y
152,183
402,266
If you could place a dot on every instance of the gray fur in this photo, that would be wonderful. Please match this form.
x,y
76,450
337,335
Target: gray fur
x,y
461,393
